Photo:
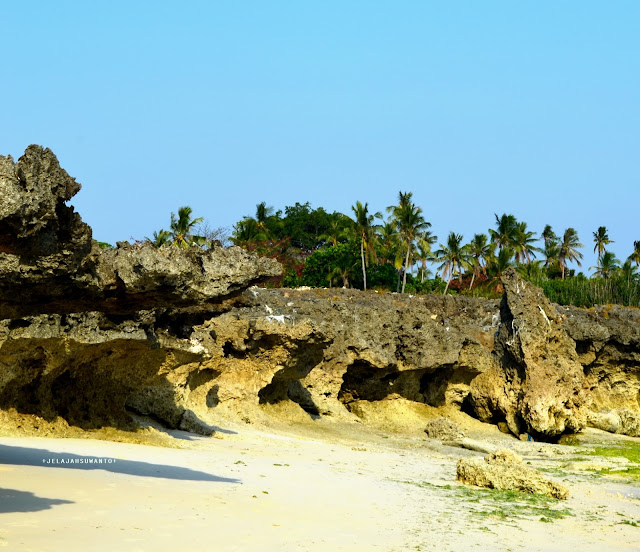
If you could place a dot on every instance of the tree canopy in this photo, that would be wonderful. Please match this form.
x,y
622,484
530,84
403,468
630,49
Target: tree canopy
x,y
318,248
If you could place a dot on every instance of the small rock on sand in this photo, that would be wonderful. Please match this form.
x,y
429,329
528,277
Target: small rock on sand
x,y
444,429
504,470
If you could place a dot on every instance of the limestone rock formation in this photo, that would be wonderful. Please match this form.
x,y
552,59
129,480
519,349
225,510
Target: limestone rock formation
x,y
81,328
344,354
328,351
49,264
607,340
34,220
537,384
93,335
504,470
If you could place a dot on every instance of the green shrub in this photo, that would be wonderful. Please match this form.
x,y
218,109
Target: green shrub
x,y
583,292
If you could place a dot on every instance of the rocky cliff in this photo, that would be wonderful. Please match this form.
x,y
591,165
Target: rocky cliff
x,y
607,341
82,328
93,336
536,385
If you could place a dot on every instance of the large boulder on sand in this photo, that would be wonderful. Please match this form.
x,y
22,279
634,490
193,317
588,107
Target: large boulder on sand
x,y
538,384
504,470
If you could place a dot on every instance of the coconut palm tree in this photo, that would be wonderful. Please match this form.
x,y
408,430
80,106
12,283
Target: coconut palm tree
x,y
427,239
532,271
404,199
422,255
479,251
423,252
263,215
389,241
505,234
411,225
337,231
247,232
182,229
453,257
551,248
251,230
601,239
568,249
607,265
522,243
263,212
549,236
497,264
551,252
629,272
366,231
344,270
160,238
635,255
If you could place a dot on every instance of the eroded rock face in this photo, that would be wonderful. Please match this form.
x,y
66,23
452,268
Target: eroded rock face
x,y
82,329
34,220
327,351
338,353
42,240
49,264
607,340
93,335
537,384
81,367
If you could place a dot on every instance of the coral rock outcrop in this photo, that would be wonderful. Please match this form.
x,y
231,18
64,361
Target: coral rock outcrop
x,y
504,470
82,329
607,339
329,350
537,384
93,335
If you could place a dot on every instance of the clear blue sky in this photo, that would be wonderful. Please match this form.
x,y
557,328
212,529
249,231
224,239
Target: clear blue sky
x,y
477,107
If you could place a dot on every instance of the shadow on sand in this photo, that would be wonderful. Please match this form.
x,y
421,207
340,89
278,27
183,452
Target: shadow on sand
x,y
206,429
188,436
23,456
22,501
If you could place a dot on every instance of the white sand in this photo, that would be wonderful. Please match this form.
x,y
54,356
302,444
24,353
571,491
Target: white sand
x,y
260,491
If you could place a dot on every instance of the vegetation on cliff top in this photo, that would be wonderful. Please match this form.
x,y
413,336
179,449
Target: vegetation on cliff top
x,y
364,251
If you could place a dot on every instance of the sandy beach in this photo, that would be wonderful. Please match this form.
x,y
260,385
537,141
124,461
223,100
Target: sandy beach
x,y
328,488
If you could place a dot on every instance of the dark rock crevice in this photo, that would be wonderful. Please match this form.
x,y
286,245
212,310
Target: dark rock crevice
x,y
286,383
363,381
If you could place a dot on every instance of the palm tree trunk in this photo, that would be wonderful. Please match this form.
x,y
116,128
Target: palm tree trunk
x,y
472,279
406,268
364,270
448,282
